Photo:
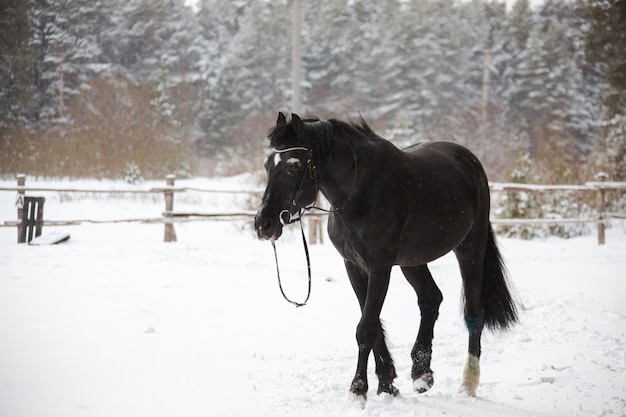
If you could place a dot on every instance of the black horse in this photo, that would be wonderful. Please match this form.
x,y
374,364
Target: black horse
x,y
392,207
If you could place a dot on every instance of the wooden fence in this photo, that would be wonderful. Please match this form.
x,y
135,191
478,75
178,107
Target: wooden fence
x,y
599,187
169,217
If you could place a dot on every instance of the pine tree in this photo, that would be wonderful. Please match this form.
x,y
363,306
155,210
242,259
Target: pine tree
x,y
253,79
328,45
65,41
15,58
605,44
164,109
43,71
372,60
219,23
605,47
551,91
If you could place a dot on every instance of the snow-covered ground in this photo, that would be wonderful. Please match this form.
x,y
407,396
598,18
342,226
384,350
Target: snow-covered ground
x,y
115,322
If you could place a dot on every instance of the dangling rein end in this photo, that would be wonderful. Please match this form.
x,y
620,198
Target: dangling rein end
x,y
308,264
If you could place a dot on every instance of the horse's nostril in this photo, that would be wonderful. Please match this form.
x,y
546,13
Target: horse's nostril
x,y
263,224
266,223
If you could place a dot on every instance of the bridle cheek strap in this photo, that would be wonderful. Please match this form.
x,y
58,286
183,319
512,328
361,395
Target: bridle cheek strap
x,y
285,217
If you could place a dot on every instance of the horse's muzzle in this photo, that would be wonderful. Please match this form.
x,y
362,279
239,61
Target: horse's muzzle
x,y
267,227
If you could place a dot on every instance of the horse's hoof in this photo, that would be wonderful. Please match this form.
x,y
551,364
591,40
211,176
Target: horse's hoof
x,y
357,398
359,389
424,382
388,388
469,390
471,376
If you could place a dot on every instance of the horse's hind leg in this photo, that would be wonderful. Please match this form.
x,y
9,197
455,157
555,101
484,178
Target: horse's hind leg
x,y
385,369
429,299
471,261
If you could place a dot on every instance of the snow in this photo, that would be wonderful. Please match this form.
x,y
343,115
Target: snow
x,y
115,322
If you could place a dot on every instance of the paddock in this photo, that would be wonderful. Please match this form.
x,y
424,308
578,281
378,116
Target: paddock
x,y
117,322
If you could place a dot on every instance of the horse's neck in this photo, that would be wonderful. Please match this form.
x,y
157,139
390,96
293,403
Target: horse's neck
x,y
339,175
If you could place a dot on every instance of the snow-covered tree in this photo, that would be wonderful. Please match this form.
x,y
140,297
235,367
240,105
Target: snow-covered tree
x,y
252,78
552,95
605,47
498,79
15,89
162,102
65,41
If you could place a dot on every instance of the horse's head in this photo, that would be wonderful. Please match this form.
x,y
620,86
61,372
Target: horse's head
x,y
291,173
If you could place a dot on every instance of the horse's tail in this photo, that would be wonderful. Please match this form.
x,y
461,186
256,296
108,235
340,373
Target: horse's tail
x,y
498,304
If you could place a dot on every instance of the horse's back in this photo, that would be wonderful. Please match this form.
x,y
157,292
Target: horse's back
x,y
447,161
456,152
450,189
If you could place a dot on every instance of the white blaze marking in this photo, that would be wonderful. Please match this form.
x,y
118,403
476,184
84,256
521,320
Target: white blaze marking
x,y
277,159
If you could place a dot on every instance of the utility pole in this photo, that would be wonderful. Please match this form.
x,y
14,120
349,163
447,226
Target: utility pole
x,y
485,86
296,64
316,231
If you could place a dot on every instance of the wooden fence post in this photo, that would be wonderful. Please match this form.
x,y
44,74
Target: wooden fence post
x,y
315,231
602,177
19,202
170,233
315,227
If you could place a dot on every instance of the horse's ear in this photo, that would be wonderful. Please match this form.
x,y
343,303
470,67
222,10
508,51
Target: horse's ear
x,y
298,126
282,120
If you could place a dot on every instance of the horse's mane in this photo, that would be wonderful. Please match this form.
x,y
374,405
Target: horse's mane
x,y
321,134
284,135
354,128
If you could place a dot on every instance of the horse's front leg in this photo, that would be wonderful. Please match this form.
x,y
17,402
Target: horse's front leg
x,y
429,299
371,290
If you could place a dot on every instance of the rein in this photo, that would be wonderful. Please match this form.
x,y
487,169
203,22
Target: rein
x,y
308,264
285,218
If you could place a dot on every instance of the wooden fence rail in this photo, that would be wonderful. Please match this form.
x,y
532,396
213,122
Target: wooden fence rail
x,y
169,217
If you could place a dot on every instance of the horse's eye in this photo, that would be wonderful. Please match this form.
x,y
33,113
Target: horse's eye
x,y
293,166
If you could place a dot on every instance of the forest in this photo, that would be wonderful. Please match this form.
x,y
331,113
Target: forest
x,y
104,88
